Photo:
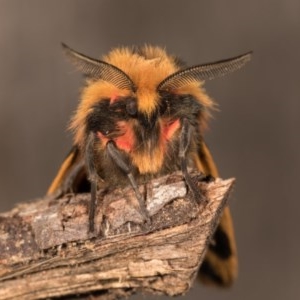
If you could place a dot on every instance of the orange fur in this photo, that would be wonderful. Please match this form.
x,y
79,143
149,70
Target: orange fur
x,y
146,72
149,162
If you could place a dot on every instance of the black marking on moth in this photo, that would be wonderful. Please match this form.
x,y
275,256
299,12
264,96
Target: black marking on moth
x,y
221,244
208,271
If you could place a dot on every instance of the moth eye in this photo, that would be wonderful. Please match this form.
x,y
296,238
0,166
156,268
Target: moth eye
x,y
131,107
164,105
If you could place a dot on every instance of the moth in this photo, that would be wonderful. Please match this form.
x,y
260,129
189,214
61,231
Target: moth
x,y
142,114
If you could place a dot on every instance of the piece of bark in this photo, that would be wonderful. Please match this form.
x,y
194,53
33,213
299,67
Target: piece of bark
x,y
47,251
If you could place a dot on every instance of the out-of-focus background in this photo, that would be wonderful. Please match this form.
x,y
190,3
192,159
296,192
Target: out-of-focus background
x,y
254,137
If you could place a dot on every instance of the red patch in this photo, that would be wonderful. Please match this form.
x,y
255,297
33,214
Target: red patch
x,y
168,129
125,141
113,98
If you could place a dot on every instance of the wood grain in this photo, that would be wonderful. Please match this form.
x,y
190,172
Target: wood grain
x,y
46,250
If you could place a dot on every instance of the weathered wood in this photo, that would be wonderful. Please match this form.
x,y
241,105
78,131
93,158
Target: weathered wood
x,y
46,250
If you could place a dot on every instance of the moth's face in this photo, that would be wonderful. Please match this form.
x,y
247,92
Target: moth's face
x,y
146,138
138,97
137,110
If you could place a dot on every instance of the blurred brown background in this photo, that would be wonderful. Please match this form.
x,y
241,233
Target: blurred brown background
x,y
254,137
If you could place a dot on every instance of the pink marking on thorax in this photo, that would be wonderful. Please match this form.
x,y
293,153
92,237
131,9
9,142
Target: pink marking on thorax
x,y
113,98
125,141
168,129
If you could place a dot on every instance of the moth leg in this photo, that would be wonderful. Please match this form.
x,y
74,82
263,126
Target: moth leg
x,y
67,186
116,155
185,141
93,178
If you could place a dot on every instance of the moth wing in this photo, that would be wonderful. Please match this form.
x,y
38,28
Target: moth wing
x,y
220,265
71,176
